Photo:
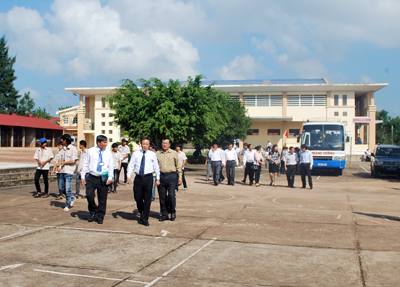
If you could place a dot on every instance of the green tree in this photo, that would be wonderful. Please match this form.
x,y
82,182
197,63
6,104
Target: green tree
x,y
26,105
41,113
8,94
188,113
384,130
63,108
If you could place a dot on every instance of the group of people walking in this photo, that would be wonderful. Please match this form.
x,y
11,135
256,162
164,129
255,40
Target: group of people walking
x,y
288,162
98,167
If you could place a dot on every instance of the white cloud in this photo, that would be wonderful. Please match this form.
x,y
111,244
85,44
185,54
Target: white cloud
x,y
33,94
241,68
86,39
366,79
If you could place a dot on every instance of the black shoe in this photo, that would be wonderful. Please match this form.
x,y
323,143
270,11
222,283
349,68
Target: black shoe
x,y
143,223
292,187
173,216
92,217
303,187
216,184
163,218
100,221
311,187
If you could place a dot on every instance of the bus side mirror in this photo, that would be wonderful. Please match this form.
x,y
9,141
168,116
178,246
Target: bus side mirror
x,y
298,139
347,139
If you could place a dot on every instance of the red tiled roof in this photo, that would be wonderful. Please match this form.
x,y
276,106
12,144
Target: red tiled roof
x,y
55,119
28,122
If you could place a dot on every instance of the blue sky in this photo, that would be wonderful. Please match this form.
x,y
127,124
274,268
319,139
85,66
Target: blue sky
x,y
96,43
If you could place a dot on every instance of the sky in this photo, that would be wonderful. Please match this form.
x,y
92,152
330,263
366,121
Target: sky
x,y
97,43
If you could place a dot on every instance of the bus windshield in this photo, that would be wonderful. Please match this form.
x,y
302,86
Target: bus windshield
x,y
323,137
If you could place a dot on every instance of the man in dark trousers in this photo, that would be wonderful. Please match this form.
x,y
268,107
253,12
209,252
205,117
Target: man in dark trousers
x,y
306,166
143,162
171,170
97,173
291,163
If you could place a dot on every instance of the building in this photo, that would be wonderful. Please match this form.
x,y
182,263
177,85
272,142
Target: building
x,y
69,120
20,131
279,107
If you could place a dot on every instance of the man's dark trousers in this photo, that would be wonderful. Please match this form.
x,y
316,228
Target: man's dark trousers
x,y
166,193
230,171
290,173
93,183
124,165
250,171
142,190
45,174
216,168
305,171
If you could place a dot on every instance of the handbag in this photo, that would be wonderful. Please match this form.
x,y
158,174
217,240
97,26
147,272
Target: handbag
x,y
104,178
255,167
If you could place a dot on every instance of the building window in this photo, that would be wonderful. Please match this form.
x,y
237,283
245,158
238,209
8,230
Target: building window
x,y
110,132
345,114
110,124
110,140
262,101
66,120
253,132
103,115
294,132
344,100
103,132
103,124
274,132
336,114
336,103
103,102
74,120
306,100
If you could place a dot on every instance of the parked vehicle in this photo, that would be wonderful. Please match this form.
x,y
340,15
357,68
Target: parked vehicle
x,y
385,160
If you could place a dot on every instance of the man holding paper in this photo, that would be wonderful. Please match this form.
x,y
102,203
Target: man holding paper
x,y
98,165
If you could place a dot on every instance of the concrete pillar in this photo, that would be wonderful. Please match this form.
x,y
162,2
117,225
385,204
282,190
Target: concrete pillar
x,y
372,124
12,137
23,137
81,120
241,100
284,104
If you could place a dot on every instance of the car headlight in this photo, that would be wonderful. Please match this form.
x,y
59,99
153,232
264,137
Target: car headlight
x,y
377,161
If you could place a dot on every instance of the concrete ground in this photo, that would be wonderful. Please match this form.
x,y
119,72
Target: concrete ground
x,y
344,232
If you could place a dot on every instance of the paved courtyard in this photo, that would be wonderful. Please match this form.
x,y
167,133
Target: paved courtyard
x,y
344,232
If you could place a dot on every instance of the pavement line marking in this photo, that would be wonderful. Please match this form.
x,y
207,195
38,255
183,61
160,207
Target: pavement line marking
x,y
293,206
21,233
88,276
339,216
98,230
180,263
364,169
11,266
318,177
164,232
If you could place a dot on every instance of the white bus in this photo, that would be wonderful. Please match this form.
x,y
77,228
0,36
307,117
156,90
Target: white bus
x,y
326,141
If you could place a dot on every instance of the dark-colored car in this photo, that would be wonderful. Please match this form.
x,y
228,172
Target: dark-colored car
x,y
385,160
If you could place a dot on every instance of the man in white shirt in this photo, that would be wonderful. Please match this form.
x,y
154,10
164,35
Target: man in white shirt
x,y
291,163
67,166
306,166
97,173
143,162
231,162
82,153
217,157
182,159
43,156
248,160
125,151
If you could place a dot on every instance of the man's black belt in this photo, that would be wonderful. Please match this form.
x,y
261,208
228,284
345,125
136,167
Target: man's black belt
x,y
230,160
168,173
146,175
96,176
305,163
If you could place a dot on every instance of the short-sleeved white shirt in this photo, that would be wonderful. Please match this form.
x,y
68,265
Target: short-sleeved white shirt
x,y
44,155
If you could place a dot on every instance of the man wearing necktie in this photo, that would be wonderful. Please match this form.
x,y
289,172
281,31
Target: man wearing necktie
x,y
143,162
97,173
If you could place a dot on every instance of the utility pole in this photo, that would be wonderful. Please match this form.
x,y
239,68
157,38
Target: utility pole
x,y
392,134
49,102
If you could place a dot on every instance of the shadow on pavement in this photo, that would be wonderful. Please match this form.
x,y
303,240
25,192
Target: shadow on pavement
x,y
59,204
389,217
82,215
133,216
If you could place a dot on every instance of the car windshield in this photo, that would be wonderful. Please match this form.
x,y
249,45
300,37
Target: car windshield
x,y
323,137
387,151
